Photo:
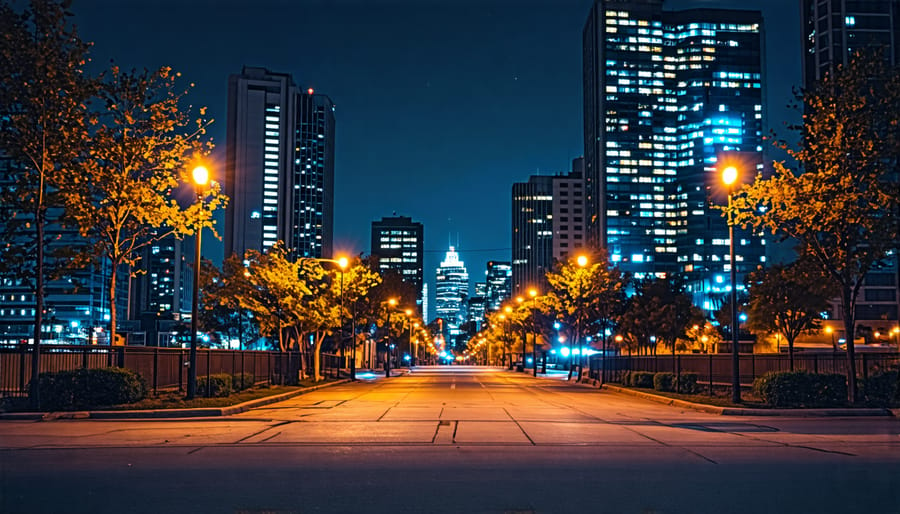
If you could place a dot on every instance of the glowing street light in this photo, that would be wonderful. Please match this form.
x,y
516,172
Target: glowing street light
x,y
201,177
729,177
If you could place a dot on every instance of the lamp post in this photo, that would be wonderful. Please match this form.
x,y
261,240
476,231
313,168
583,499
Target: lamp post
x,y
830,331
729,177
582,261
533,294
409,313
392,302
520,300
201,177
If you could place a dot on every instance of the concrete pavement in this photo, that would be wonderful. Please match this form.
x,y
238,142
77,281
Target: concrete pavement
x,y
454,439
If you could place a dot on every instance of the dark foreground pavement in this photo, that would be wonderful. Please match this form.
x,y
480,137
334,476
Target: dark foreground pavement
x,y
455,440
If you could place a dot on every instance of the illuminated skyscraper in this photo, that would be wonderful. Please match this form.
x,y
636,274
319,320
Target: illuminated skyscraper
x,y
451,287
532,233
498,285
279,169
398,242
668,96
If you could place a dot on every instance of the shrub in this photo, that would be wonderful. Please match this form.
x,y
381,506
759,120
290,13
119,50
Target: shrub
x,y
625,378
217,386
664,381
242,381
687,383
880,389
642,379
801,389
90,388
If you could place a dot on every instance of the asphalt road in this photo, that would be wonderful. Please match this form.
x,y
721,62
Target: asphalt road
x,y
451,440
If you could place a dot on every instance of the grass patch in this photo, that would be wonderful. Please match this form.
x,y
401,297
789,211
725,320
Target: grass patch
x,y
174,399
721,397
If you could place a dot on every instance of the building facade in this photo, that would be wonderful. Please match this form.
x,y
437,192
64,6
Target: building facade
x,y
670,97
279,169
568,214
498,284
532,233
451,291
834,29
399,244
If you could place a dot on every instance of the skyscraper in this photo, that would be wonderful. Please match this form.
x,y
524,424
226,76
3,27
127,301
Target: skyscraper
x,y
476,306
669,96
568,213
532,233
451,287
498,284
834,29
279,169
399,242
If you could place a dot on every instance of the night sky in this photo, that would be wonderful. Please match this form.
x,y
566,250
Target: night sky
x,y
440,104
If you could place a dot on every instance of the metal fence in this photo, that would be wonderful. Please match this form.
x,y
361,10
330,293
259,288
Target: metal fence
x,y
716,368
162,368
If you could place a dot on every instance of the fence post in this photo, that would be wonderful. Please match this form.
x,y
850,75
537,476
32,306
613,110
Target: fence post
x,y
181,370
155,368
677,372
710,374
815,363
208,358
865,371
22,353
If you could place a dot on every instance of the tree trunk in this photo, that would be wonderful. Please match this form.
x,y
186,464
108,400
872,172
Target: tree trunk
x,y
790,342
848,305
280,336
302,374
33,390
112,304
317,357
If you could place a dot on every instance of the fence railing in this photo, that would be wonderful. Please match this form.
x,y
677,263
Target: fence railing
x,y
717,368
162,368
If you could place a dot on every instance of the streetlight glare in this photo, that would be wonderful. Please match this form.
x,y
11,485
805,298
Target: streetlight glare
x,y
729,175
582,260
200,175
343,262
532,292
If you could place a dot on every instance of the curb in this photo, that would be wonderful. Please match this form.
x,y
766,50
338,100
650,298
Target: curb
x,y
165,413
738,411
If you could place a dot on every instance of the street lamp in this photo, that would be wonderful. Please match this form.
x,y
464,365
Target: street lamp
x,y
409,313
201,177
729,177
521,300
829,330
392,302
582,261
533,294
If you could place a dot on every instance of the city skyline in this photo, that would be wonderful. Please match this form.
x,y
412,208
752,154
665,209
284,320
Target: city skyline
x,y
485,93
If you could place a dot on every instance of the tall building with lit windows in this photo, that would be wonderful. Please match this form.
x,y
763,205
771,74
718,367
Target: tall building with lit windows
x,y
498,284
399,242
834,29
668,97
451,291
279,168
532,233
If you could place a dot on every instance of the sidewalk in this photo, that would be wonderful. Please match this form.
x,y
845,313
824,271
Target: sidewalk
x,y
165,413
738,411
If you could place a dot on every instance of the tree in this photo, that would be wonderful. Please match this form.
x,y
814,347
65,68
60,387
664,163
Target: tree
x,y
43,92
140,150
274,290
588,297
788,300
842,206
222,306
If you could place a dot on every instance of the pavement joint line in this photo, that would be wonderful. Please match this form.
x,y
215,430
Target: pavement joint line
x,y
254,434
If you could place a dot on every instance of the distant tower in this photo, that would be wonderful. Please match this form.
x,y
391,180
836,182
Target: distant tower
x,y
498,284
279,167
451,291
399,243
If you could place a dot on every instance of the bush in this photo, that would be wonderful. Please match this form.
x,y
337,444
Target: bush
x,y
664,381
625,378
90,388
880,389
242,381
642,379
687,383
801,389
217,386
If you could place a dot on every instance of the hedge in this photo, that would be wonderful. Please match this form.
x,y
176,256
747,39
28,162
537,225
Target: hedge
x,y
664,381
217,386
90,388
241,381
687,383
801,389
880,389
642,379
